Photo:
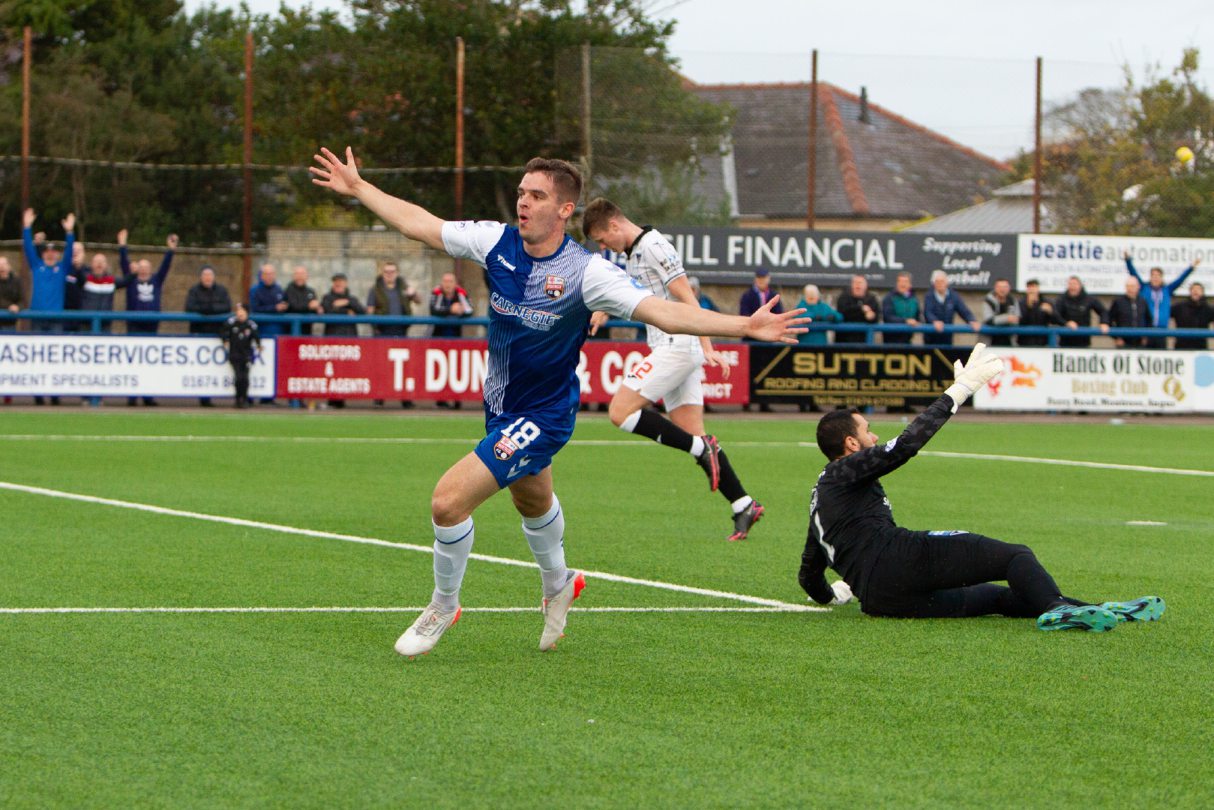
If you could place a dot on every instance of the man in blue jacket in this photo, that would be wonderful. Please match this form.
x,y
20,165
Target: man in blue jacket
x,y
48,272
1158,297
267,297
940,307
143,291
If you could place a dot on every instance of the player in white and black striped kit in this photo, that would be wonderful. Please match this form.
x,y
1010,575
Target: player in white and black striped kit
x,y
672,370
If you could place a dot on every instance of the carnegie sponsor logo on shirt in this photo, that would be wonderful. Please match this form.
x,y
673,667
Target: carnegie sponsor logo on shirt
x,y
531,318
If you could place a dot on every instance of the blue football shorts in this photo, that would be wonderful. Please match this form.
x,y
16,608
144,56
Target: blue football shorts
x,y
523,444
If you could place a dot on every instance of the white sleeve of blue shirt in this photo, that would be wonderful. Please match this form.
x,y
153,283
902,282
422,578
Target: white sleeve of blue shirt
x,y
609,289
471,240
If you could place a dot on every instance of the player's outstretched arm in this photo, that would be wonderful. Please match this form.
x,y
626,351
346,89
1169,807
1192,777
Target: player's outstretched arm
x,y
412,220
678,318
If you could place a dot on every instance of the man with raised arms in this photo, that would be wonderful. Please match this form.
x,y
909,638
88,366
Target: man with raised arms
x,y
543,287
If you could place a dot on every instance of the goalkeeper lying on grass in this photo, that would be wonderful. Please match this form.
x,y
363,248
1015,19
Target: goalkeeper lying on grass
x,y
943,574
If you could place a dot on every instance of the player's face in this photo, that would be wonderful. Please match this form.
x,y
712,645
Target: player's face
x,y
609,238
538,208
864,435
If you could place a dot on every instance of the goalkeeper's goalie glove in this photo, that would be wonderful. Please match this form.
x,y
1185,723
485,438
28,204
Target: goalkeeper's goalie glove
x,y
843,593
978,369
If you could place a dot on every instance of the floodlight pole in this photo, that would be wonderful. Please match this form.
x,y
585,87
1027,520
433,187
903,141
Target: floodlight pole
x,y
246,276
26,58
813,142
1037,156
587,152
459,143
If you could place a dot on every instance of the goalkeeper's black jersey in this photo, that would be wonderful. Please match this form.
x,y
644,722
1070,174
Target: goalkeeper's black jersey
x,y
850,519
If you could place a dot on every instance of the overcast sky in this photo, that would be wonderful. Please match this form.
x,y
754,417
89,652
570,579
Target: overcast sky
x,y
962,67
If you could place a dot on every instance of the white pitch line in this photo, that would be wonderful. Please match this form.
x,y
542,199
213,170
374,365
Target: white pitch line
x,y
1061,462
374,541
389,440
532,609
398,440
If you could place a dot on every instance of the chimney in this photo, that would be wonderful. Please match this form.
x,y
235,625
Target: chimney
x,y
864,118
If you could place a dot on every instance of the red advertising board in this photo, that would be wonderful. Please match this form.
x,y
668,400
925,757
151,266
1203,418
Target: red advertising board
x,y
425,369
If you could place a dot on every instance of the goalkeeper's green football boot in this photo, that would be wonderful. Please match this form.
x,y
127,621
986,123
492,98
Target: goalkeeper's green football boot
x,y
1142,609
1078,617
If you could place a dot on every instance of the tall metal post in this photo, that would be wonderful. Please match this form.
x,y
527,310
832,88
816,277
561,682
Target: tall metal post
x,y
813,142
587,151
459,128
1037,156
246,276
26,59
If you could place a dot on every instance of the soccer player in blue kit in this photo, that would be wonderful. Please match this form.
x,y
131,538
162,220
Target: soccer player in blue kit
x,y
542,288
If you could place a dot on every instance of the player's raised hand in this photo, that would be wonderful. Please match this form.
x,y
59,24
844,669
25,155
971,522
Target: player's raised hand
x,y
776,328
714,358
978,369
597,321
332,173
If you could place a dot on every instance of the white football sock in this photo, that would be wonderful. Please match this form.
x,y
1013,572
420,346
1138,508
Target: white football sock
x,y
742,503
546,534
452,545
697,446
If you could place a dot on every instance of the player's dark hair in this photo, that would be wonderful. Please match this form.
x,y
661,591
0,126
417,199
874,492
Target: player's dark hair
x,y
598,213
565,177
833,429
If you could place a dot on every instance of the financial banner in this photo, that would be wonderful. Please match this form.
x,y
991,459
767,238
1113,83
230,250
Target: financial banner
x,y
831,258
1103,380
1099,261
105,365
385,368
858,376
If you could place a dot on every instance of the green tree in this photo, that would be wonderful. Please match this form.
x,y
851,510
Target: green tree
x,y
1111,162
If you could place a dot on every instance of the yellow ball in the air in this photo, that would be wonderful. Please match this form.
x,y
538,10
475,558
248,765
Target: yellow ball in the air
x,y
1184,154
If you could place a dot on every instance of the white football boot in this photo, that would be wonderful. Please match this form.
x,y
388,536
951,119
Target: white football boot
x,y
424,633
556,610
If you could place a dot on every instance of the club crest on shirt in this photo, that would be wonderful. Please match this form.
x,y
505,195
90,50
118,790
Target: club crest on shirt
x,y
554,286
504,448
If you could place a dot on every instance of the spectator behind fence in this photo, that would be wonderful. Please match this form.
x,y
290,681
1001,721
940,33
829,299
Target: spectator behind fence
x,y
1035,311
1075,309
12,292
857,305
239,335
301,299
207,297
705,301
818,311
1193,312
391,295
758,295
449,300
267,297
339,301
1158,297
144,289
1000,308
1129,311
98,287
73,288
901,306
941,306
48,272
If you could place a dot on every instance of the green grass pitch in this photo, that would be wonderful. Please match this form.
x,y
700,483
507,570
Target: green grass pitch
x,y
640,709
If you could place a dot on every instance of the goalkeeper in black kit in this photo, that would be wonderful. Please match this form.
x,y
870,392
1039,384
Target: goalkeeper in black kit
x,y
900,573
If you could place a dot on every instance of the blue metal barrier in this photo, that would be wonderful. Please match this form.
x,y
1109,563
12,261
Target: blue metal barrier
x,y
296,323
